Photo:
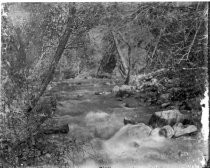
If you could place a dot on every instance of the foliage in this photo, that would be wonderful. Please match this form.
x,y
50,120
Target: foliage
x,y
43,39
179,33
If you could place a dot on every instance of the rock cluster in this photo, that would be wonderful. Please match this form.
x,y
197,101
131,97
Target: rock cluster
x,y
167,89
124,90
172,123
169,123
168,117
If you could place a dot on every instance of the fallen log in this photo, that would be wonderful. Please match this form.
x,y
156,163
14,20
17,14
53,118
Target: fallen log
x,y
61,129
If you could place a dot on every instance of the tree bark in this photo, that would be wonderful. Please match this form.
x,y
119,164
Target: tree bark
x,y
61,47
129,66
21,50
122,59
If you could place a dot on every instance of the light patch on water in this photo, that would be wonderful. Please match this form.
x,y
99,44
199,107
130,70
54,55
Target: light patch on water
x,y
103,124
96,116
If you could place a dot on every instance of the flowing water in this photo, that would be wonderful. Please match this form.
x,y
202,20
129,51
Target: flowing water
x,y
99,120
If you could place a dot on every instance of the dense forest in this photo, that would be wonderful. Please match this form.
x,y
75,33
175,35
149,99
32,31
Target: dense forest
x,y
143,55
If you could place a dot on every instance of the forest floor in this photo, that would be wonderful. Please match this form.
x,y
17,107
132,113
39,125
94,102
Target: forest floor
x,y
97,117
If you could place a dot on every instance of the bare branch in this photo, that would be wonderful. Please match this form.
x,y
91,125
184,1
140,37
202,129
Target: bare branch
x,y
161,33
191,45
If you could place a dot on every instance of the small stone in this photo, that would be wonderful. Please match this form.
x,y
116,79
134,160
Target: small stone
x,y
106,93
107,83
80,95
183,154
119,99
164,105
98,93
116,89
79,83
128,121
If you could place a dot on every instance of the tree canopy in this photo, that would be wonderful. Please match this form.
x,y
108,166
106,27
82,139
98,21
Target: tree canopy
x,y
43,41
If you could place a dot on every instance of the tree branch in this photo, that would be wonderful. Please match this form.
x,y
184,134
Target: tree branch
x,y
161,32
191,45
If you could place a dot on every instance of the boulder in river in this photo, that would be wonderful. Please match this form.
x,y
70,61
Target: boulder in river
x,y
130,132
125,91
127,88
168,117
116,89
169,131
180,129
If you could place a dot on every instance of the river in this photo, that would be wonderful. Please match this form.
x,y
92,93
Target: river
x,y
95,118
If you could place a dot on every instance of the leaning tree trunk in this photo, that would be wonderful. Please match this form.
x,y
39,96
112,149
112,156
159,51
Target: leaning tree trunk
x,y
129,67
21,50
61,46
124,68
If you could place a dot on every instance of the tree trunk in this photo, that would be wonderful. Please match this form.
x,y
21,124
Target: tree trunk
x,y
61,46
21,50
124,66
129,66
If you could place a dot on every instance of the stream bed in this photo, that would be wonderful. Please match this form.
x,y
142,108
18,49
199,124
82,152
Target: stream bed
x,y
98,120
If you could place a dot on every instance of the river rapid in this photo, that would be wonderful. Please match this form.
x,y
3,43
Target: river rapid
x,y
97,119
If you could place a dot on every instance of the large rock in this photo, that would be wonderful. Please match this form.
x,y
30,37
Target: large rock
x,y
127,138
169,117
127,88
166,131
136,142
169,131
125,91
180,129
131,132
